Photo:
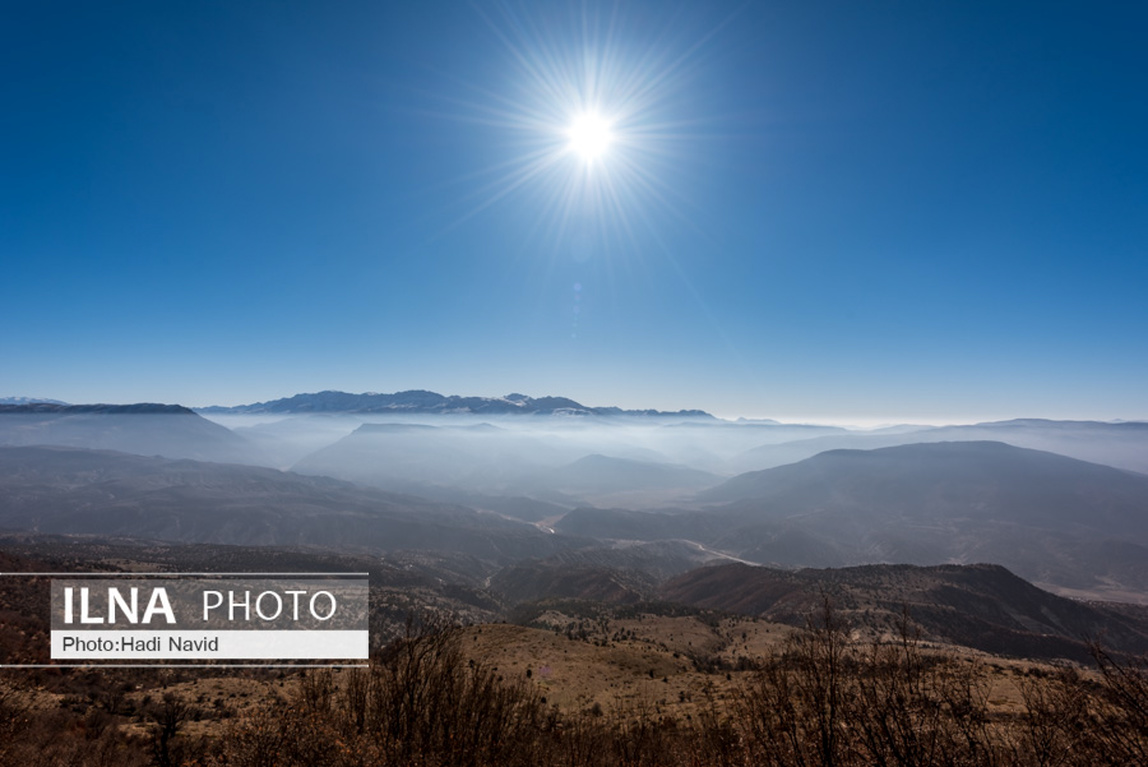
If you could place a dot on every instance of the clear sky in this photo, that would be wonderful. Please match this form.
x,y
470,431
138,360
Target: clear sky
x,y
835,210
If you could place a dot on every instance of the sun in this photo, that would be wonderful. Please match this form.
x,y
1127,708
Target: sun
x,y
594,117
590,136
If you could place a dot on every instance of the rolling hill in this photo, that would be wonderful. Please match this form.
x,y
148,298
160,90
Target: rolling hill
x,y
1055,520
985,607
172,431
73,491
1122,445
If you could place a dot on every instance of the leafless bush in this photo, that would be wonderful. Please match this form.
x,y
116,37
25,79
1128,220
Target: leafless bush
x,y
792,712
1118,717
14,720
824,699
1055,727
828,701
421,703
168,716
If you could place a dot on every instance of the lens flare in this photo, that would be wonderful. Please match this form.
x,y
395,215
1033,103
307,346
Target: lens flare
x,y
594,121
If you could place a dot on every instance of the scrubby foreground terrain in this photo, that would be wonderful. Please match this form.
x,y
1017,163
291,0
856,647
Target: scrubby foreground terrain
x,y
469,679
818,697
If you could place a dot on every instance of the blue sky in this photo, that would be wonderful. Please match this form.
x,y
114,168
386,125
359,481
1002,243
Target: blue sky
x,y
823,210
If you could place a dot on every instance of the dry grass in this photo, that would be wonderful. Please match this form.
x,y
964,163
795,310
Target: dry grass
x,y
643,690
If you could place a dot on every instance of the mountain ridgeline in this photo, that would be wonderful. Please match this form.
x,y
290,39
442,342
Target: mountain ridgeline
x,y
90,492
981,606
510,478
144,429
1053,519
934,482
428,402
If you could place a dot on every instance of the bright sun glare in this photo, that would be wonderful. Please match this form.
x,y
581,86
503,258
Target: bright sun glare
x,y
592,113
590,135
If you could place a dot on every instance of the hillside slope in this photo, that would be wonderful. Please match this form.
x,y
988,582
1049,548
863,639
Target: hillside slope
x,y
65,490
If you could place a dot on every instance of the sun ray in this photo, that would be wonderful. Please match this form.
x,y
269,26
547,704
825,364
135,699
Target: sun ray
x,y
593,128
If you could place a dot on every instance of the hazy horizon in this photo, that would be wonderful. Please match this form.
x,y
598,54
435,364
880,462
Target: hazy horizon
x,y
844,420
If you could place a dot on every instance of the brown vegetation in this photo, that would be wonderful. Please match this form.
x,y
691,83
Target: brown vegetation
x,y
821,699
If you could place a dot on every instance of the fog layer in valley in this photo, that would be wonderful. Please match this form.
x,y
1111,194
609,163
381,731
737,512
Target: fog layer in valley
x,y
1060,503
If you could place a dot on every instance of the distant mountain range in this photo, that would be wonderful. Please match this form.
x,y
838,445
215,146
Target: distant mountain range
x,y
1123,444
62,408
424,459
29,401
60,490
938,481
1062,523
1052,519
173,431
424,402
1072,525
